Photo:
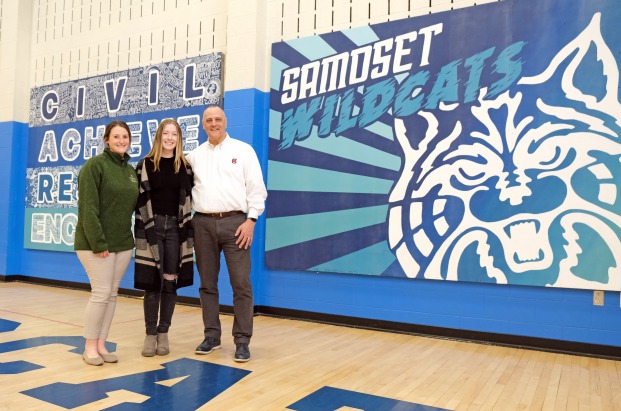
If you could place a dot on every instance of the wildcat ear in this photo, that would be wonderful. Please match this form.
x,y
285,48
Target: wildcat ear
x,y
591,74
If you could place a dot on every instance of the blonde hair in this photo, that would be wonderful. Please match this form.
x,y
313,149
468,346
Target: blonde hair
x,y
156,149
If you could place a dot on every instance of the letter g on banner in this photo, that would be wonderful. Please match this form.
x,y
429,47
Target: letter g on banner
x,y
49,105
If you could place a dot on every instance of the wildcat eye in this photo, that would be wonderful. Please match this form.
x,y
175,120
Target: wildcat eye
x,y
555,158
470,176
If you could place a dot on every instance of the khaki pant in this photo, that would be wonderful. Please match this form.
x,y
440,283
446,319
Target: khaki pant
x,y
105,276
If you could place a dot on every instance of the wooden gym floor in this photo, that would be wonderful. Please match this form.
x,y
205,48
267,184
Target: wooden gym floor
x,y
295,365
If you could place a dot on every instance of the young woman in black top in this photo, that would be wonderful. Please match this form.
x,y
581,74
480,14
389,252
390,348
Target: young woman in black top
x,y
163,231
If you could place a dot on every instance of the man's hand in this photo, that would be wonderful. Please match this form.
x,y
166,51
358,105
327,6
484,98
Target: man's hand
x,y
244,234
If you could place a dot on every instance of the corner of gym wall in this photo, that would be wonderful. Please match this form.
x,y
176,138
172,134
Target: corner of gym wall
x,y
247,53
15,28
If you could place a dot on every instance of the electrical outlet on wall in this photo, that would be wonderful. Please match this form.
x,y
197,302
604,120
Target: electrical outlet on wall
x,y
598,298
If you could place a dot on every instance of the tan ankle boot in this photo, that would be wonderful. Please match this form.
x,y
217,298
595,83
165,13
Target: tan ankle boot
x,y
148,349
162,344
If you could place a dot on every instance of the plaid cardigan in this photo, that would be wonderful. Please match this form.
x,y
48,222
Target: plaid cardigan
x,y
147,262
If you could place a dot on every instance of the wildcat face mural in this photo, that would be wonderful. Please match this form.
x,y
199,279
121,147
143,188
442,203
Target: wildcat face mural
x,y
519,194
462,154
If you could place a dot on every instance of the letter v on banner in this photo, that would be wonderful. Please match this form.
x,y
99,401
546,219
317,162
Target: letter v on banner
x,y
114,93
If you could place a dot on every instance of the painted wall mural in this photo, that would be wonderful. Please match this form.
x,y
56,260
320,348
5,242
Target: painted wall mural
x,y
480,144
67,123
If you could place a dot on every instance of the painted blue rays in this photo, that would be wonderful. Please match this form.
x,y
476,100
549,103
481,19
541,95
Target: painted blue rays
x,y
329,187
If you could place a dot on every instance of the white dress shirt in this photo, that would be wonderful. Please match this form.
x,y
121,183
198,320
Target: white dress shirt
x,y
227,177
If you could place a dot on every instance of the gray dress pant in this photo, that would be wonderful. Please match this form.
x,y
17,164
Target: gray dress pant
x,y
212,237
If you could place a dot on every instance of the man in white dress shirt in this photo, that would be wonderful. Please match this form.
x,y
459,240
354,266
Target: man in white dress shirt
x,y
228,196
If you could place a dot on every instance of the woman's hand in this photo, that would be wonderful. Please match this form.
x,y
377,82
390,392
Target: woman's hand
x,y
103,254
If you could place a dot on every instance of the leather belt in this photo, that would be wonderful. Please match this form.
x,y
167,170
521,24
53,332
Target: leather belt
x,y
223,214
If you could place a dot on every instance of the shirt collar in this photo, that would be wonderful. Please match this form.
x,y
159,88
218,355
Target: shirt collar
x,y
224,140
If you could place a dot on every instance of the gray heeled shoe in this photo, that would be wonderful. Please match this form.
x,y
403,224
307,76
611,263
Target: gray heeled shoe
x,y
148,349
92,361
162,344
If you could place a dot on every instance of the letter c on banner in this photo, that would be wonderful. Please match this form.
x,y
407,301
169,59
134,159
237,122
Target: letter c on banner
x,y
49,105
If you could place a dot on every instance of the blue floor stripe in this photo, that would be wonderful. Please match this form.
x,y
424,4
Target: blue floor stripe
x,y
203,382
74,341
330,399
8,326
17,367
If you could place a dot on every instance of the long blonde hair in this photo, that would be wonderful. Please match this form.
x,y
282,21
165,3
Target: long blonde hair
x,y
156,149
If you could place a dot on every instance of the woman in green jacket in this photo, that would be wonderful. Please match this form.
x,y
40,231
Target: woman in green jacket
x,y
107,189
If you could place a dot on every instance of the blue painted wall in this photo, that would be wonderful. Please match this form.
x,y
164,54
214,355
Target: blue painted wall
x,y
13,137
563,314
